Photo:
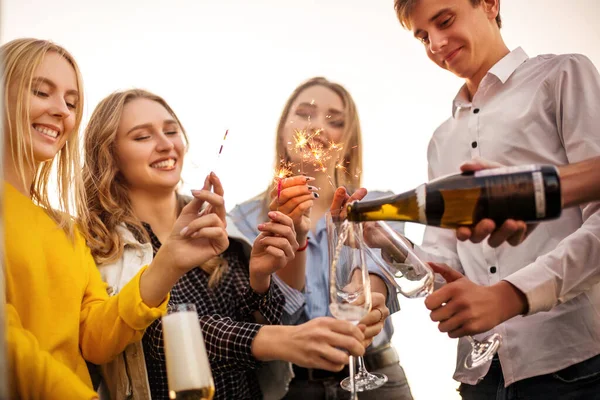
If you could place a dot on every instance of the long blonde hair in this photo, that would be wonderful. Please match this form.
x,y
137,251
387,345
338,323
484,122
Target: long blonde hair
x,y
108,205
19,60
351,139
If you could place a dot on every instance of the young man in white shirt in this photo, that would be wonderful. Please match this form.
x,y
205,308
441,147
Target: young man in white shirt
x,y
515,110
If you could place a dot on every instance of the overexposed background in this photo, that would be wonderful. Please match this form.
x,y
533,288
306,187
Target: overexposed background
x,y
231,64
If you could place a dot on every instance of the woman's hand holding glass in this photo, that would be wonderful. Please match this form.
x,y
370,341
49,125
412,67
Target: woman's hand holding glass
x,y
322,343
373,322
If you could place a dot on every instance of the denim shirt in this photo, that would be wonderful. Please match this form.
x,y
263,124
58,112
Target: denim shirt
x,y
313,301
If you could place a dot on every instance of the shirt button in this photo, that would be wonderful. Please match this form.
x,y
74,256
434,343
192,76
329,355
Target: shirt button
x,y
476,111
473,144
493,269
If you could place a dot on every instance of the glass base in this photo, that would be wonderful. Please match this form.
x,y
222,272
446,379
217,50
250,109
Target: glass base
x,y
483,351
365,381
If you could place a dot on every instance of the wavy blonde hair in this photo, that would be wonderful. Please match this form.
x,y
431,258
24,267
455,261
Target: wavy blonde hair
x,y
108,205
19,60
351,139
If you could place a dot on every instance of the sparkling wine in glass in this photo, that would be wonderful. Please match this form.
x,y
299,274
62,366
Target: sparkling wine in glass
x,y
414,278
188,369
350,290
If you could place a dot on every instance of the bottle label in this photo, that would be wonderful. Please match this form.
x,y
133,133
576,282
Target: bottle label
x,y
506,170
421,192
518,196
540,195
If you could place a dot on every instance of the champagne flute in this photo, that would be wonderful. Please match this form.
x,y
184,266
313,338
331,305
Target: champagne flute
x,y
188,369
350,290
413,278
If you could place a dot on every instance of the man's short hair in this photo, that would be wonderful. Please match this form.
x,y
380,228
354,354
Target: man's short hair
x,y
405,7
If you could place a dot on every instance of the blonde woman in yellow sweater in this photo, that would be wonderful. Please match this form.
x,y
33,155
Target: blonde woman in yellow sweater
x,y
58,311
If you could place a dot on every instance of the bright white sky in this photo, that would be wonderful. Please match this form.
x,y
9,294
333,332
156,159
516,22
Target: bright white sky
x,y
231,64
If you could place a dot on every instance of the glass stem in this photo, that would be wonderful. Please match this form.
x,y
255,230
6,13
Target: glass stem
x,y
361,366
470,339
352,381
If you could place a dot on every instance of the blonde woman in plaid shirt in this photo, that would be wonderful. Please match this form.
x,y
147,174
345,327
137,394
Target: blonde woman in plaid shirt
x,y
134,151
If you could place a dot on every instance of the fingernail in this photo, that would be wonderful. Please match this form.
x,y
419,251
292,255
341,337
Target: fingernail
x,y
183,231
309,178
261,226
272,214
195,191
194,234
313,188
212,174
316,195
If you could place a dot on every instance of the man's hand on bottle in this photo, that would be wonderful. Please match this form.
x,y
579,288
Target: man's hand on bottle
x,y
341,198
464,308
511,231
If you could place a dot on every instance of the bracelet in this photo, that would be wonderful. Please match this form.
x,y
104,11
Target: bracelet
x,y
303,247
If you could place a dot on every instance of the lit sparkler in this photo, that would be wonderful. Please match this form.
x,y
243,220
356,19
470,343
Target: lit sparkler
x,y
284,170
315,150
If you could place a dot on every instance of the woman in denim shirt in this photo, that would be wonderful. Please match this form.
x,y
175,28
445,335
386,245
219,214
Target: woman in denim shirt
x,y
329,112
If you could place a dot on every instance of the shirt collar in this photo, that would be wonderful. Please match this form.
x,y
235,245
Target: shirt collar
x,y
502,70
126,235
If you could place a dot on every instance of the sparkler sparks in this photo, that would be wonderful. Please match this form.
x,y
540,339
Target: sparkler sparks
x,y
316,150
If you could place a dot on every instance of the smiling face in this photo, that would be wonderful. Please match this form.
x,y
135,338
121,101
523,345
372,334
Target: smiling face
x,y
149,146
52,107
458,36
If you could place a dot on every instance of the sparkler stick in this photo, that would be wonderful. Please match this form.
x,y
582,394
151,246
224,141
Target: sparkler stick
x,y
278,192
283,171
220,150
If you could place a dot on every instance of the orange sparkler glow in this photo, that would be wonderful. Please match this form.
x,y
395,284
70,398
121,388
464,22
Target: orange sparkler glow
x,y
284,170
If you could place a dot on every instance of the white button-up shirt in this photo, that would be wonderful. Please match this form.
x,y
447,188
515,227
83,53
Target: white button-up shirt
x,y
543,110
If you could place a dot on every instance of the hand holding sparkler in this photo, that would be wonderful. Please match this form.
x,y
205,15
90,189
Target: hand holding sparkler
x,y
294,197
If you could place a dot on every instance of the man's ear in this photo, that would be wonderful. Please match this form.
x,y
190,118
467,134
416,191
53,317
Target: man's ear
x,y
491,8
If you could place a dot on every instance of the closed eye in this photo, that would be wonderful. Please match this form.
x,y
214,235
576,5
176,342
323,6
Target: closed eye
x,y
446,22
39,93
303,114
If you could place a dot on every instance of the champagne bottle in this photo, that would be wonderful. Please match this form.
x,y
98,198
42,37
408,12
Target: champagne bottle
x,y
528,193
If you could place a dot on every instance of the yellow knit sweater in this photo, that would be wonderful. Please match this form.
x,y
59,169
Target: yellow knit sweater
x,y
58,311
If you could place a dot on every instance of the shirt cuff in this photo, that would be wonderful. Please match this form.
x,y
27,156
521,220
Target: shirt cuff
x,y
269,304
294,299
229,344
132,308
540,290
